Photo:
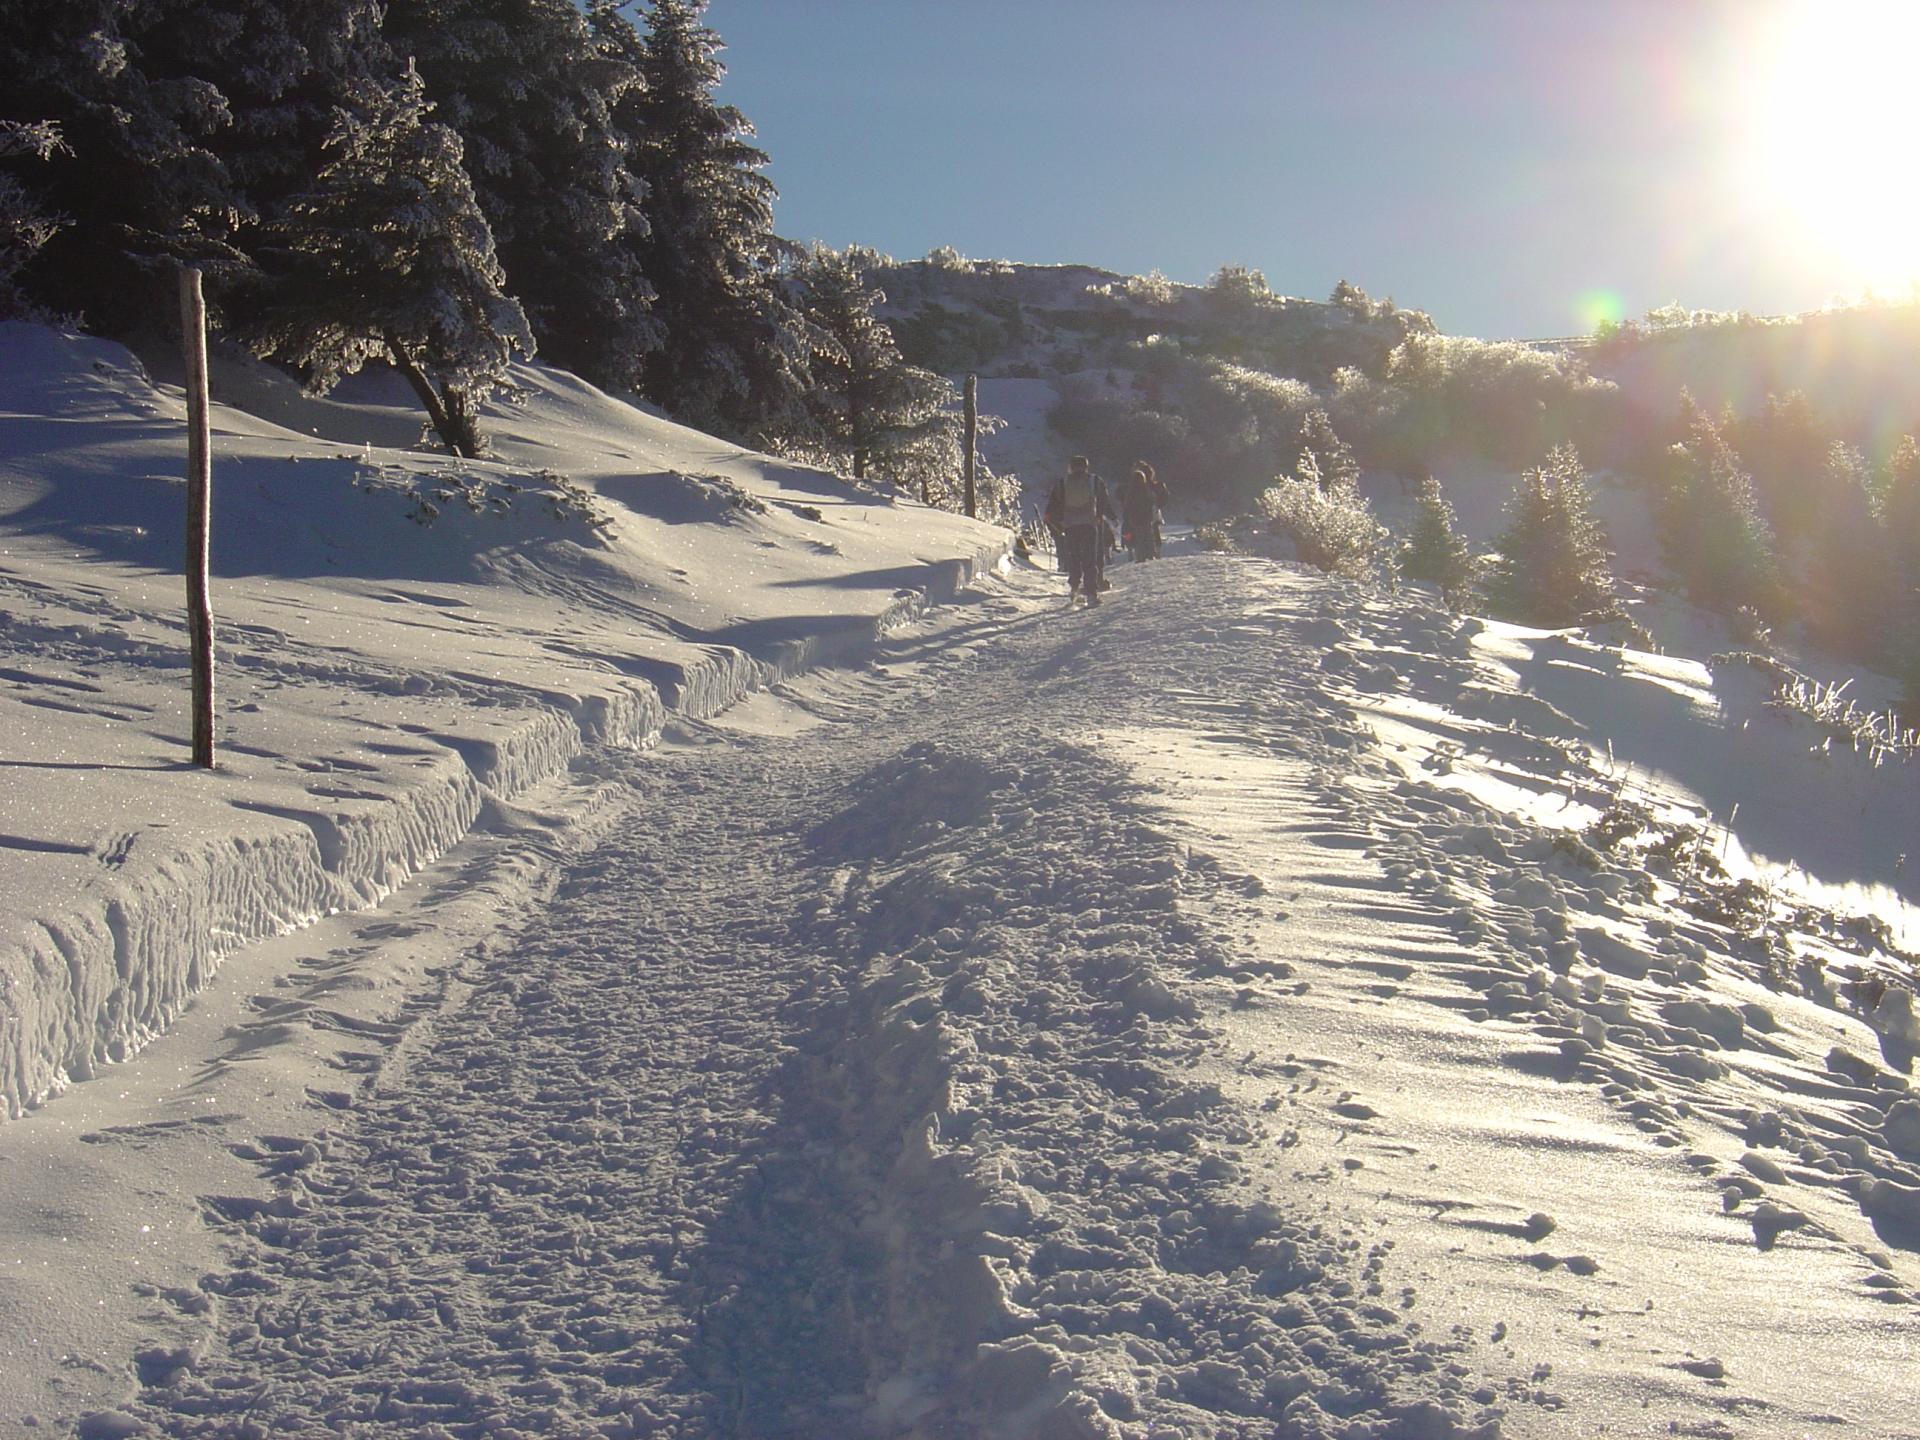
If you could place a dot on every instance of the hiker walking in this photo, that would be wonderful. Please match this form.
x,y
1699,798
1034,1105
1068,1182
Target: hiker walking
x,y
1142,500
1078,510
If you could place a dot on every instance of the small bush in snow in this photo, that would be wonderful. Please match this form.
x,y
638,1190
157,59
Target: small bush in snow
x,y
1552,567
1213,536
1331,525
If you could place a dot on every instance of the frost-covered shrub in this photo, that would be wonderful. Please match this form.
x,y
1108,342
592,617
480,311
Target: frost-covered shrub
x,y
1331,525
1153,288
1362,306
1552,567
1213,536
1434,550
1445,394
1668,320
1899,508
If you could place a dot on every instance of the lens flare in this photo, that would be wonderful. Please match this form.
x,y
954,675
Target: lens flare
x,y
1595,308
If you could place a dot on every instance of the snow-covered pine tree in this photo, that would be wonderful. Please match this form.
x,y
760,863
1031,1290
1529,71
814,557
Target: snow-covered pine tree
x,y
280,71
1712,531
1899,507
1434,550
1552,565
532,89
1847,573
734,352
387,255
888,419
1900,510
135,180
1786,447
25,227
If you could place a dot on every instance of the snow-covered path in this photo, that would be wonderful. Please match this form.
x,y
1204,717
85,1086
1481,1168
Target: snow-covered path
x,y
1073,1026
845,1051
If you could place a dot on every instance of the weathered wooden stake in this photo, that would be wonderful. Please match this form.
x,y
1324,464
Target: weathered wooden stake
x,y
193,326
973,430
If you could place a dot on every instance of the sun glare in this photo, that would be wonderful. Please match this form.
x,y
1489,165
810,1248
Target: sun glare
x,y
1830,137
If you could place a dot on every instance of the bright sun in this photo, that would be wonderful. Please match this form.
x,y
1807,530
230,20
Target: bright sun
x,y
1832,135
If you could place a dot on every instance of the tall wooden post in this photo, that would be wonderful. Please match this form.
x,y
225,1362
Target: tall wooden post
x,y
973,432
193,327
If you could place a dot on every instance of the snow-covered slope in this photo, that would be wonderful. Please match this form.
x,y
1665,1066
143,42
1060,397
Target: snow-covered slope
x,y
404,638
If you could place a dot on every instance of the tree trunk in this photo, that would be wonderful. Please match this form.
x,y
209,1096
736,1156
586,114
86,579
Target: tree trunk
x,y
973,432
457,432
857,428
193,327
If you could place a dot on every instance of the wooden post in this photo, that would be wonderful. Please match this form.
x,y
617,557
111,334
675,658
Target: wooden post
x,y
193,326
973,434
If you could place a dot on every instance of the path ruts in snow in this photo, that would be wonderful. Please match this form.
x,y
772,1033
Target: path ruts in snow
x,y
855,1085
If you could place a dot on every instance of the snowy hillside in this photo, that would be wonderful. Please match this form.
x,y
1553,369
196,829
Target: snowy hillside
x,y
405,639
680,947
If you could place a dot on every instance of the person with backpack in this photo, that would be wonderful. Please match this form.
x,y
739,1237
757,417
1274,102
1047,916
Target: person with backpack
x,y
1078,510
1141,501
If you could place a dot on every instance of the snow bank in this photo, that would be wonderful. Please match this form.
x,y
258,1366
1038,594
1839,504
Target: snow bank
x,y
402,636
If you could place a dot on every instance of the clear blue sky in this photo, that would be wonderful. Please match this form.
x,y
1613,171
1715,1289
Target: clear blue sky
x,y
1514,167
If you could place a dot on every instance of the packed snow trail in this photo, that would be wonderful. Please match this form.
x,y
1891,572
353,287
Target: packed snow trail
x,y
846,1089
1082,1024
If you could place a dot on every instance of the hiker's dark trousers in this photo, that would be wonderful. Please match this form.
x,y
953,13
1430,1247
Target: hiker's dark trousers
x,y
1084,555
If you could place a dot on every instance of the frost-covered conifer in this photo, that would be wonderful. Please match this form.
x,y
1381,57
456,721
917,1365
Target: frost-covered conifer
x,y
25,228
1711,528
1434,550
1900,510
889,419
135,180
734,353
1786,446
532,90
1552,566
387,254
1847,573
1900,522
